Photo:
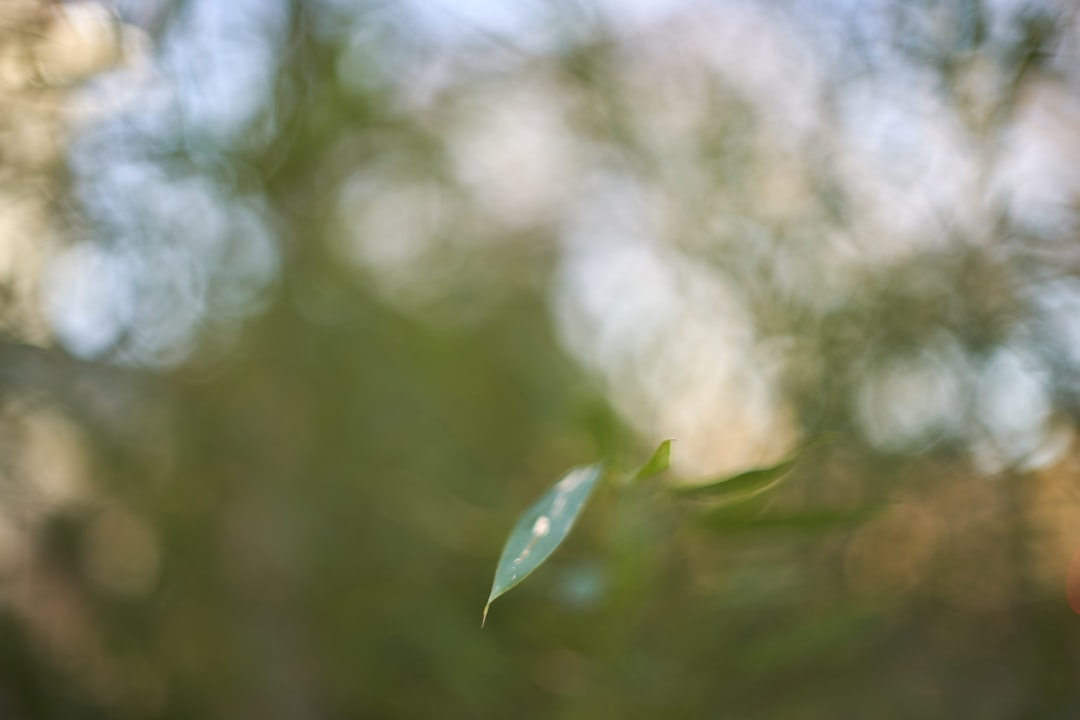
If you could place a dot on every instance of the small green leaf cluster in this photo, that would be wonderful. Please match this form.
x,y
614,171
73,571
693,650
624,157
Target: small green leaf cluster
x,y
730,502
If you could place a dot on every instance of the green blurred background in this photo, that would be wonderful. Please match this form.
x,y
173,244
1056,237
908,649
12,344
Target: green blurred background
x,y
303,301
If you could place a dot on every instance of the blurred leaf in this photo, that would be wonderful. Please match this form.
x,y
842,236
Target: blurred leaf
x,y
658,463
744,483
734,514
542,528
754,480
746,517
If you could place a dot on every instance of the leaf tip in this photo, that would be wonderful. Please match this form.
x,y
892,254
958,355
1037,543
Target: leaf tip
x,y
663,452
657,463
483,619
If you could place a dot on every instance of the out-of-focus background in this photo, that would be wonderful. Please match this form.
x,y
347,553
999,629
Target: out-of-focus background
x,y
302,301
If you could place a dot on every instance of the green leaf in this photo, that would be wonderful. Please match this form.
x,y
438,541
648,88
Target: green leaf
x,y
805,521
658,463
542,528
744,483
734,514
751,481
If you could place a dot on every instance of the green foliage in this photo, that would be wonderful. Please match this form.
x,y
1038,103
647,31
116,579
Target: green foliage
x,y
311,433
542,528
658,463
738,486
545,524
742,485
748,516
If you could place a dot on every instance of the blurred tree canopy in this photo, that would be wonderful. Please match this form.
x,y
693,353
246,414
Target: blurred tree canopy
x,y
303,300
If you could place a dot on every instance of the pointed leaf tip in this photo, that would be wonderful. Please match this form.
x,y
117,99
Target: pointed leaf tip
x,y
542,528
657,463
